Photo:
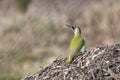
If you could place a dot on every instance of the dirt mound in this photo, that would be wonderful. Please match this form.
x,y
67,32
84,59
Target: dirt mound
x,y
100,63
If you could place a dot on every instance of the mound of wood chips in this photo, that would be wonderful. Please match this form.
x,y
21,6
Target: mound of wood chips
x,y
100,63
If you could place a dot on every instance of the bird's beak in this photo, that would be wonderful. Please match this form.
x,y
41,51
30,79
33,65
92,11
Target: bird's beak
x,y
71,27
68,25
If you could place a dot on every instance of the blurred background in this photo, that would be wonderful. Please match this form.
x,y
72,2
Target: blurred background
x,y
33,32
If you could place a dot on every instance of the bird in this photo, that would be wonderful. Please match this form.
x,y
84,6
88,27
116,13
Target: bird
x,y
77,44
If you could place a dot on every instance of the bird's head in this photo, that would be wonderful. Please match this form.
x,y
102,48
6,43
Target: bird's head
x,y
75,29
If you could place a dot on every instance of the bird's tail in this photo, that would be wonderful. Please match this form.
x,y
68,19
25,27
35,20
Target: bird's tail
x,y
69,59
83,49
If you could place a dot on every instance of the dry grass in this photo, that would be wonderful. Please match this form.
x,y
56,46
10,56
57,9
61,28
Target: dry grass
x,y
37,37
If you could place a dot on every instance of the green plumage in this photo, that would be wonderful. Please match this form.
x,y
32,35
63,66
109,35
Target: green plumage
x,y
76,45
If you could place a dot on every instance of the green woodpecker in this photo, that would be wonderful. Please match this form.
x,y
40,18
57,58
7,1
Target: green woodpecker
x,y
77,44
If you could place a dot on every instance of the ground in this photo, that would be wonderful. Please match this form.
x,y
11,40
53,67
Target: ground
x,y
100,63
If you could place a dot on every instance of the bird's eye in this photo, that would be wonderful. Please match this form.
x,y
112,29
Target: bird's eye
x,y
73,27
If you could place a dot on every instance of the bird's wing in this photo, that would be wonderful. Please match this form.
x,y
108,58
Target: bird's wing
x,y
76,46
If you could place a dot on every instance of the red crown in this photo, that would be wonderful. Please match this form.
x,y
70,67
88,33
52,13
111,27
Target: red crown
x,y
79,28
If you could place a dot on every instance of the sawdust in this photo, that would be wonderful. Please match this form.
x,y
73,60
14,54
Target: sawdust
x,y
100,63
